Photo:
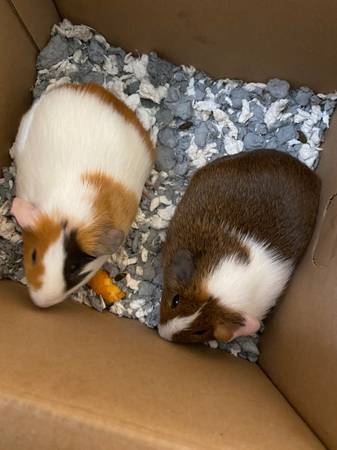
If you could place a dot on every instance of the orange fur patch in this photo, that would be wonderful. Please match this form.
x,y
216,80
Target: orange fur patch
x,y
114,207
107,97
38,239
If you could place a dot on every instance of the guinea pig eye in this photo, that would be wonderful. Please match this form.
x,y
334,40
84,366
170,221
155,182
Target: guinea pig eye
x,y
74,267
200,332
34,256
175,301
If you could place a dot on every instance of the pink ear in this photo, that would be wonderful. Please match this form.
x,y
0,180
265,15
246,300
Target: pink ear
x,y
24,212
251,326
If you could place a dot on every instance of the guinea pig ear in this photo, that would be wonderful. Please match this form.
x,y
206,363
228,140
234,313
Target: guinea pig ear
x,y
182,266
24,212
108,242
250,325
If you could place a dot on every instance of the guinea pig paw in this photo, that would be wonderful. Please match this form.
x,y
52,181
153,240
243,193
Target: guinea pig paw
x,y
102,285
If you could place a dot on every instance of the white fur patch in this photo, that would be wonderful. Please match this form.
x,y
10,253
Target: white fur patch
x,y
251,288
173,326
53,284
24,129
66,134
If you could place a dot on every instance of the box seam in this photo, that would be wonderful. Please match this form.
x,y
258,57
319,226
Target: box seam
x,y
58,10
24,25
320,231
293,407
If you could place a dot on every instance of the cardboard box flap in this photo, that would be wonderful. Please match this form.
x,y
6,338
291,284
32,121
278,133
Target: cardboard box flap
x,y
299,346
72,378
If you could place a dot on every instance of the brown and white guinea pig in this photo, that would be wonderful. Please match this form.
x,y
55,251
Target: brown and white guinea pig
x,y
233,243
82,158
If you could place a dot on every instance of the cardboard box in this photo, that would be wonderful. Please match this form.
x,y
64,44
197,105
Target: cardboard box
x,y
71,378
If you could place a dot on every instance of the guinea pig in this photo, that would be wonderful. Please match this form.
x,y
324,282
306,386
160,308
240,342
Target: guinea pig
x,y
82,159
235,238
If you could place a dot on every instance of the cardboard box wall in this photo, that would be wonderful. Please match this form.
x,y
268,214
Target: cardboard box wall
x,y
71,378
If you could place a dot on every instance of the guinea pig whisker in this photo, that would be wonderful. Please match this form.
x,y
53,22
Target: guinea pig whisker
x,y
84,274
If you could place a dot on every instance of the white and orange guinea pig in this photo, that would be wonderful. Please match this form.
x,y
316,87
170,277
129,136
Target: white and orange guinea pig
x,y
82,159
233,243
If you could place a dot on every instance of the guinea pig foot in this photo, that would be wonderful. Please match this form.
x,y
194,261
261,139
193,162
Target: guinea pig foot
x,y
102,285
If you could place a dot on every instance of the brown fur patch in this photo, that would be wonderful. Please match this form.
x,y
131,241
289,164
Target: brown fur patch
x,y
115,207
107,97
38,240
